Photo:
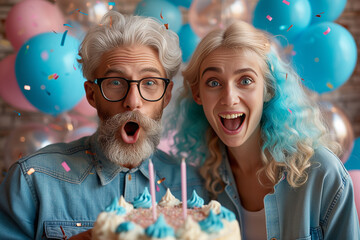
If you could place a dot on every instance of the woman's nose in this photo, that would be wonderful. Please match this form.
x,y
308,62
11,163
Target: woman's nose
x,y
229,96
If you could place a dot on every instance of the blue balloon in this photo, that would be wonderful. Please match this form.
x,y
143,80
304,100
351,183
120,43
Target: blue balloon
x,y
188,41
47,73
182,3
278,18
353,162
325,56
326,10
170,13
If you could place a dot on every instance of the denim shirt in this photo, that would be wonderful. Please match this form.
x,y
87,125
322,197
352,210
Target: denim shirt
x,y
52,203
322,208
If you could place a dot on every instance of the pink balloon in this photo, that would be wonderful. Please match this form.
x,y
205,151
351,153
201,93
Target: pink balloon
x,y
32,17
355,176
84,108
10,91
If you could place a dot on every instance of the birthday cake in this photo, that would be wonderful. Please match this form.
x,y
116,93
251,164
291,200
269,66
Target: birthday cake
x,y
132,221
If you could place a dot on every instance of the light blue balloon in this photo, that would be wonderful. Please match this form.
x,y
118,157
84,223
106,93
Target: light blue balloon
x,y
287,21
188,41
48,73
325,61
353,162
182,3
327,10
156,8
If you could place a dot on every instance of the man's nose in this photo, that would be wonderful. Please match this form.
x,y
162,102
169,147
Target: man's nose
x,y
133,99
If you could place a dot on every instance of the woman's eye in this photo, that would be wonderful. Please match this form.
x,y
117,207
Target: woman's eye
x,y
213,83
246,81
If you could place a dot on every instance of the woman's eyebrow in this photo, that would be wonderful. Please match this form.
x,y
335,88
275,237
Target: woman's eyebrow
x,y
214,69
242,70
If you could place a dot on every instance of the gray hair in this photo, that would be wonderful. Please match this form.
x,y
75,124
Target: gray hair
x,y
117,30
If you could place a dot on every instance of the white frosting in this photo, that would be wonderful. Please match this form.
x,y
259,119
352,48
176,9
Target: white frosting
x,y
213,205
105,226
168,200
122,203
190,231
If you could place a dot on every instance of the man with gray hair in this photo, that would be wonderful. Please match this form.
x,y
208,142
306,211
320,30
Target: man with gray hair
x,y
128,62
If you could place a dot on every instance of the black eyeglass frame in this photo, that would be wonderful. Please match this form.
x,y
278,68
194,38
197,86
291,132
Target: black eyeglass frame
x,y
98,82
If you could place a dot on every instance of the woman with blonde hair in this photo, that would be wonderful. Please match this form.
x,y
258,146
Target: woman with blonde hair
x,y
262,146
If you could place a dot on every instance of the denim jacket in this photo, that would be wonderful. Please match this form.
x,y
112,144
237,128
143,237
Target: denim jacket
x,y
322,208
58,200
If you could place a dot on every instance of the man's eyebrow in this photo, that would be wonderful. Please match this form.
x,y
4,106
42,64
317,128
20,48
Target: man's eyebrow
x,y
150,69
218,70
113,70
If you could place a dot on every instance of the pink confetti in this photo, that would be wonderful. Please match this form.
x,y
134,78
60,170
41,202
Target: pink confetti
x,y
44,55
269,17
327,31
289,110
65,166
157,188
286,2
74,67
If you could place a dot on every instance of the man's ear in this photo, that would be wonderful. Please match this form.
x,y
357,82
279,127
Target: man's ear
x,y
167,96
90,92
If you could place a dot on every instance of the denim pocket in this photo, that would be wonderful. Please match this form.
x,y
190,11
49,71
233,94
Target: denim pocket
x,y
60,229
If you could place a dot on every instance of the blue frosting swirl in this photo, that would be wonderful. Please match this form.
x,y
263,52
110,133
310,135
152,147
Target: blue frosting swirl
x,y
160,229
212,224
115,207
227,214
143,200
195,201
125,227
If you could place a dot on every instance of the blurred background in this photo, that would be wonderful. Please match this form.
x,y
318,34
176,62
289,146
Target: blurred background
x,y
41,86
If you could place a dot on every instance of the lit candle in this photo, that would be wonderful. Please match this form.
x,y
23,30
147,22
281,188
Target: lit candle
x,y
152,188
183,187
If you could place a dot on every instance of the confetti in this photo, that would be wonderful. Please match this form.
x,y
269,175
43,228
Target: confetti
x,y
157,188
290,27
78,224
111,3
31,171
269,17
166,25
110,21
27,87
161,16
53,76
286,2
63,38
68,25
329,85
160,181
289,110
74,67
47,92
129,177
54,31
27,48
319,15
91,153
316,59
18,113
286,76
65,166
327,31
45,55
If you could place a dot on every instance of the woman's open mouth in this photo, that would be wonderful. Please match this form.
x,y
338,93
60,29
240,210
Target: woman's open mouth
x,y
232,122
130,132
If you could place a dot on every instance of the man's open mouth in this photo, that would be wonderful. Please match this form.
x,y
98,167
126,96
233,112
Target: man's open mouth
x,y
232,122
130,132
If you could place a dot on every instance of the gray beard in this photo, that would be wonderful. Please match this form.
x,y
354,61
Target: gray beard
x,y
121,153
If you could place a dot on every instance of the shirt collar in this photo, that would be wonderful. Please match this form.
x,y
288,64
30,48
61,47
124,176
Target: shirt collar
x,y
107,170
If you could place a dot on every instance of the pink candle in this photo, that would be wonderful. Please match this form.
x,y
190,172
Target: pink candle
x,y
183,187
152,188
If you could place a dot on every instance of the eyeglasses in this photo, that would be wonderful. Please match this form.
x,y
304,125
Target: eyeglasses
x,y
115,89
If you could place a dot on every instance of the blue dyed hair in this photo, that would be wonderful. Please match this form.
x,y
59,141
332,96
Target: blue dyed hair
x,y
291,124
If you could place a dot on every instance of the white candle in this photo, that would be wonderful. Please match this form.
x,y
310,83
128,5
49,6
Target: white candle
x,y
152,189
183,188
